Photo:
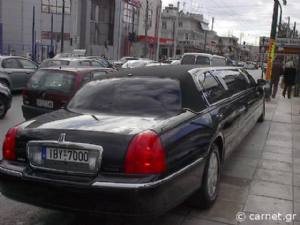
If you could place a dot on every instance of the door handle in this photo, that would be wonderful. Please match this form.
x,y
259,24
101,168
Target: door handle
x,y
27,72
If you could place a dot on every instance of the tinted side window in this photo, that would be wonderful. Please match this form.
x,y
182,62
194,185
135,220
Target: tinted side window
x,y
235,81
218,62
213,89
188,60
250,78
11,64
26,64
84,63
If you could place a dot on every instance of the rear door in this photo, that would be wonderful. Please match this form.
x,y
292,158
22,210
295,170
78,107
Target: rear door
x,y
239,88
223,111
13,68
51,89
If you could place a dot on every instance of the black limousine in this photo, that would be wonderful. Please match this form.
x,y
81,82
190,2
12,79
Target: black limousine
x,y
133,143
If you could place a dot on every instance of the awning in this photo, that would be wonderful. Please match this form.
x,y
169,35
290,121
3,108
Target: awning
x,y
152,40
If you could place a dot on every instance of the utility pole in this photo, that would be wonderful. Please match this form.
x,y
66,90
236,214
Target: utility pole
x,y
159,31
272,42
294,29
51,32
33,35
146,29
212,23
175,30
62,28
288,28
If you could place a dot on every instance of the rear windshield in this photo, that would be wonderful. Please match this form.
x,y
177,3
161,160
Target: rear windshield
x,y
188,60
53,63
202,60
134,96
52,80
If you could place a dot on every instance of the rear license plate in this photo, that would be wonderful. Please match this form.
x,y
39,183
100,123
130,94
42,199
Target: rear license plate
x,y
65,155
44,103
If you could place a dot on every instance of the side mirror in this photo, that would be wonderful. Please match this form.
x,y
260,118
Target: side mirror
x,y
261,82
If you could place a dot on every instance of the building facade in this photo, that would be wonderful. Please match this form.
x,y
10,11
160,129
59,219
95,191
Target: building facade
x,y
190,31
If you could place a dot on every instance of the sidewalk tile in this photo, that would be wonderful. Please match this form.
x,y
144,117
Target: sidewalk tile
x,y
274,176
261,204
277,149
297,194
275,165
273,190
277,157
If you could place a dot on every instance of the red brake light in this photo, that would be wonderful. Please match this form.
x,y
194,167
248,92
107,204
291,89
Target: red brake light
x,y
9,145
145,155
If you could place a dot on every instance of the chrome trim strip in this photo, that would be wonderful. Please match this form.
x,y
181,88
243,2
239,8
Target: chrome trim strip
x,y
145,185
10,172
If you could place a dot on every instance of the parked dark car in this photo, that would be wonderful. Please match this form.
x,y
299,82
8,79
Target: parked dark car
x,y
15,71
51,89
135,143
5,100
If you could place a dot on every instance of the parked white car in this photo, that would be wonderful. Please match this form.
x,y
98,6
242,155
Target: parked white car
x,y
203,59
136,63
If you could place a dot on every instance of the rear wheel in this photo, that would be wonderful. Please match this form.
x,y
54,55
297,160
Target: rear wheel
x,y
3,107
207,194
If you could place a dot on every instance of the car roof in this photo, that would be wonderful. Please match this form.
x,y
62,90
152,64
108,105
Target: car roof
x,y
198,54
75,69
12,57
71,59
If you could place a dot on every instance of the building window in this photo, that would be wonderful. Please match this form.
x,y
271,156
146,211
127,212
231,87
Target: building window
x,y
180,24
56,6
130,17
186,36
164,25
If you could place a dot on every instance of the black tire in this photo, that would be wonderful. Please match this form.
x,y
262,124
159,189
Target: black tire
x,y
3,107
203,198
262,116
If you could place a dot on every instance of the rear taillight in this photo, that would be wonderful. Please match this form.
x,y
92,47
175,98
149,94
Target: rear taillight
x,y
9,145
145,155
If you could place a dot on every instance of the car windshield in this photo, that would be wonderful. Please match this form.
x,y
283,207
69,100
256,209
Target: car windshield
x,y
53,63
188,60
133,96
52,80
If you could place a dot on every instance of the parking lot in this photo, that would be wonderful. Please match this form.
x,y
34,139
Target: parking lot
x,y
262,177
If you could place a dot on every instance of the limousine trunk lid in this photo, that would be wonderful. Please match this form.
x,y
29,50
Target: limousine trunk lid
x,y
67,130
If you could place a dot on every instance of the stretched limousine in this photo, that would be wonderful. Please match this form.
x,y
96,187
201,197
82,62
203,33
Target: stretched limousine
x,y
134,143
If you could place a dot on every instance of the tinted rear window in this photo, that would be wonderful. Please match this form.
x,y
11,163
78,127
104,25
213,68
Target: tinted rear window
x,y
135,96
52,80
53,63
202,60
188,60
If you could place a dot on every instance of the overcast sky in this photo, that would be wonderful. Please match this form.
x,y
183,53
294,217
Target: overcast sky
x,y
241,18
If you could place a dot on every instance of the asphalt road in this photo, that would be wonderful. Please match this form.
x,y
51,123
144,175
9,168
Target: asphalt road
x,y
15,213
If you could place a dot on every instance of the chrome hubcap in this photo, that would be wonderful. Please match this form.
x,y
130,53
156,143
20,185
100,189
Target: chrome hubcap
x,y
213,174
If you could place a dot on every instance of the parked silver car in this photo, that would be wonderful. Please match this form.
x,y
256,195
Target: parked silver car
x,y
71,62
15,71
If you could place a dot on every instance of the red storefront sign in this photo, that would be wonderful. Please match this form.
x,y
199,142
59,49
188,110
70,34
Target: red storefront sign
x,y
151,39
